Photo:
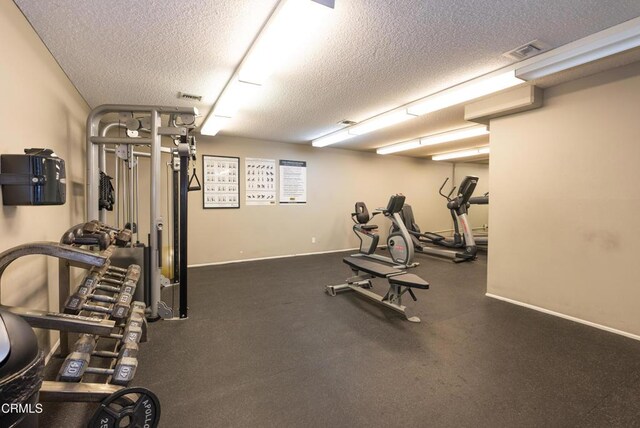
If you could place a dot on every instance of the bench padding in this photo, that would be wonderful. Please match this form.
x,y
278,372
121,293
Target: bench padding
x,y
372,268
409,280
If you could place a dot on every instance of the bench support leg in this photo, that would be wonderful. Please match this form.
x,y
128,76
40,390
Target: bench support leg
x,y
392,300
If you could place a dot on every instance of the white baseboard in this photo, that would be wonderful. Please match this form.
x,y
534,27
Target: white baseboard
x,y
269,258
52,351
567,317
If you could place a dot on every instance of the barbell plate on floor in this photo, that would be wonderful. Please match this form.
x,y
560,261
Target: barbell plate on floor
x,y
129,407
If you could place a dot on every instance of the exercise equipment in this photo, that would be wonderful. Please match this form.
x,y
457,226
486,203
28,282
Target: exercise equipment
x,y
480,200
87,344
116,359
122,236
121,302
144,128
76,365
129,407
482,241
398,241
462,246
93,282
107,192
400,282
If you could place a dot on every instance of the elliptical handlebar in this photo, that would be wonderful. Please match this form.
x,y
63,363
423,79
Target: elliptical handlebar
x,y
447,197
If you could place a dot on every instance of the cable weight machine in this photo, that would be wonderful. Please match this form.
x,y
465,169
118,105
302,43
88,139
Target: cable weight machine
x,y
144,128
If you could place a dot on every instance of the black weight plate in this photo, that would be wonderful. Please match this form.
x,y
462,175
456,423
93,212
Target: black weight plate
x,y
130,408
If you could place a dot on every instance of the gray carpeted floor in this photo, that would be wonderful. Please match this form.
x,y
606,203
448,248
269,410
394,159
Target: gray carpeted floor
x,y
264,346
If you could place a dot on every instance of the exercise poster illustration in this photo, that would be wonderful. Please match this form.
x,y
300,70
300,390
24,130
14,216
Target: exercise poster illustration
x,y
260,185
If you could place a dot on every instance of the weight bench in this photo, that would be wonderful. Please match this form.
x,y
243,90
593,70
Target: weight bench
x,y
400,282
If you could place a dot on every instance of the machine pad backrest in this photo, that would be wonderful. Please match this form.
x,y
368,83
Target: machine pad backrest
x,y
396,202
408,219
361,213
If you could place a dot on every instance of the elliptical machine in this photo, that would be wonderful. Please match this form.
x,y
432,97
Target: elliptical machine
x,y
399,240
483,240
462,246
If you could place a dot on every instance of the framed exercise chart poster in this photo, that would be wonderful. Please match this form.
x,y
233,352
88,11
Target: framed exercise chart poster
x,y
221,176
260,185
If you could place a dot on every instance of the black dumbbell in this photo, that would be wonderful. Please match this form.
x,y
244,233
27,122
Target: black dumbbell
x,y
132,272
78,237
76,365
129,336
87,343
122,236
121,302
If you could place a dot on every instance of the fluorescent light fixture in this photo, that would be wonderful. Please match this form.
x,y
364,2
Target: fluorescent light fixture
x,y
591,48
380,121
336,137
214,124
444,137
464,92
235,95
457,134
461,154
287,30
461,93
399,147
282,34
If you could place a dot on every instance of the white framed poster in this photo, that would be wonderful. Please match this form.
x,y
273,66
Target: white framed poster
x,y
221,175
260,181
293,182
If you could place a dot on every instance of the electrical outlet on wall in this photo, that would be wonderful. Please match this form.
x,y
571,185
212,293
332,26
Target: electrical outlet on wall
x,y
313,240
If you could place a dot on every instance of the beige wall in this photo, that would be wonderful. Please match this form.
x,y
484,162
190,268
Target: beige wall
x,y
564,201
39,108
336,180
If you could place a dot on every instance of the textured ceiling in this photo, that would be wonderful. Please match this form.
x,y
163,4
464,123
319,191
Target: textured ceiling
x,y
368,57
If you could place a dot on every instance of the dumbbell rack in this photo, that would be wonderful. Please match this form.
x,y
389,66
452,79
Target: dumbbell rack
x,y
85,321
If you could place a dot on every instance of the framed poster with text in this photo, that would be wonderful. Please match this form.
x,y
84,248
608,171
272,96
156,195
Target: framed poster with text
x,y
293,182
221,186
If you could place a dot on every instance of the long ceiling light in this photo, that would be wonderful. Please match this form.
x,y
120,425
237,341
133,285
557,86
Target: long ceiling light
x,y
444,137
458,94
591,48
333,138
608,42
282,34
379,122
461,154
464,92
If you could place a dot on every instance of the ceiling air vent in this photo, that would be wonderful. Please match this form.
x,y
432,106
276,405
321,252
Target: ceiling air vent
x,y
527,51
190,97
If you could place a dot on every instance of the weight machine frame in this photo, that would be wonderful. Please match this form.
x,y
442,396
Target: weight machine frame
x,y
95,147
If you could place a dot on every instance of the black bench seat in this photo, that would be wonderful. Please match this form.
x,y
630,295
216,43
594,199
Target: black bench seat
x,y
372,268
409,280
